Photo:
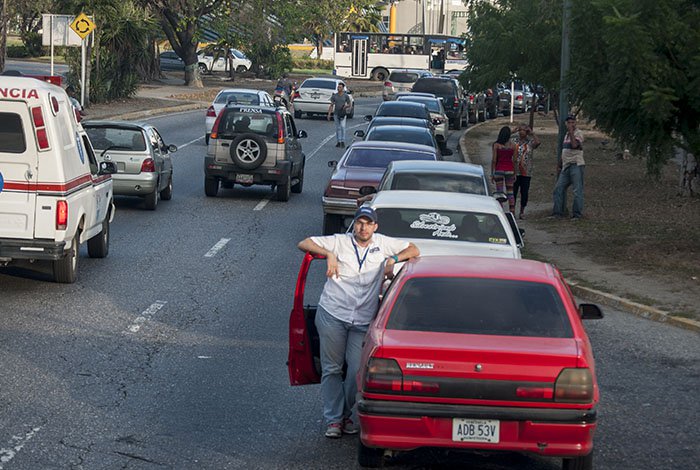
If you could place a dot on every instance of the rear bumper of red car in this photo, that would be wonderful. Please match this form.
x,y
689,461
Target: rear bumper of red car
x,y
410,425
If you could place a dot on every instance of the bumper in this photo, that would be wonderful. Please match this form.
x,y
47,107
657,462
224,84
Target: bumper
x,y
261,175
134,185
311,106
14,249
341,206
408,425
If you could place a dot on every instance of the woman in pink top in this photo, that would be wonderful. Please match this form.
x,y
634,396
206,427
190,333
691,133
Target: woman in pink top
x,y
502,167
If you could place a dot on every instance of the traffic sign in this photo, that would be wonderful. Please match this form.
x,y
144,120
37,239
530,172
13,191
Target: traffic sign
x,y
82,25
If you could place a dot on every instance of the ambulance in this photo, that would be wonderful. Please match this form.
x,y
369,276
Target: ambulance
x,y
54,195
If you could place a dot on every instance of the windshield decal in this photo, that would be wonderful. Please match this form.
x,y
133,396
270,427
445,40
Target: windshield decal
x,y
500,241
436,222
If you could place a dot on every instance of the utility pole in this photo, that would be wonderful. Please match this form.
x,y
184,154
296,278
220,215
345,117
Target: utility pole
x,y
563,86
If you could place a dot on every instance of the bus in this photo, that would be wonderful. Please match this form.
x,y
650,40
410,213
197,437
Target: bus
x,y
375,55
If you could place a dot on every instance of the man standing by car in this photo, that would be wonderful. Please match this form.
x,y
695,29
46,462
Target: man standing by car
x,y
340,105
572,166
357,265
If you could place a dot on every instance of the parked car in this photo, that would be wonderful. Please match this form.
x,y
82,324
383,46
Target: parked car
x,y
378,121
471,354
144,166
255,145
362,164
314,96
477,106
402,109
504,98
213,59
522,99
453,177
452,97
407,134
241,96
442,223
401,80
169,60
436,110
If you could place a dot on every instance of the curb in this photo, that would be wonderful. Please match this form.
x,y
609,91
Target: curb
x,y
157,111
609,300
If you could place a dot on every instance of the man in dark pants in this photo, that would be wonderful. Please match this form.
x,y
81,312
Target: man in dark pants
x,y
525,142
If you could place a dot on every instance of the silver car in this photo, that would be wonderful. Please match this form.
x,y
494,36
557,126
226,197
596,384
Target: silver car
x,y
314,96
144,166
402,80
437,112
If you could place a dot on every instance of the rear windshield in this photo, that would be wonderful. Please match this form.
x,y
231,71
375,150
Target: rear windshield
x,y
411,135
380,158
398,121
236,122
11,134
116,138
328,84
238,97
433,105
436,86
402,110
442,225
480,306
403,77
452,183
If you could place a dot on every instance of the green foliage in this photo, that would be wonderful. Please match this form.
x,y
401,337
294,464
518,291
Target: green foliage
x,y
32,43
274,59
17,51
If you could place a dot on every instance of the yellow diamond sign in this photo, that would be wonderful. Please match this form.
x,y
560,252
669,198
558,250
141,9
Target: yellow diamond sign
x,y
82,25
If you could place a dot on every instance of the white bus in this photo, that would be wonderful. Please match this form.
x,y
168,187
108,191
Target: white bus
x,y
375,55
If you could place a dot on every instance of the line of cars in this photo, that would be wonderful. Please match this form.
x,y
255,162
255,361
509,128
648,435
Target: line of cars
x,y
473,348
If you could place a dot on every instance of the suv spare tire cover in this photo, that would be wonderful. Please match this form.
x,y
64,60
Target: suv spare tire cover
x,y
248,151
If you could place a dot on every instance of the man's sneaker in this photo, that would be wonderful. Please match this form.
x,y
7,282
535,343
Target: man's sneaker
x,y
349,427
337,144
334,430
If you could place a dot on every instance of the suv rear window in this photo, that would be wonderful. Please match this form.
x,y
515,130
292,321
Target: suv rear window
x,y
436,86
403,77
328,84
235,122
11,134
402,109
480,306
380,158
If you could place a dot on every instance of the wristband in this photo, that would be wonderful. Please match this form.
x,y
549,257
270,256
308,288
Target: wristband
x,y
395,258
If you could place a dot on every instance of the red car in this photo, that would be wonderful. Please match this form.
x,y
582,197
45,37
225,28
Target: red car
x,y
475,353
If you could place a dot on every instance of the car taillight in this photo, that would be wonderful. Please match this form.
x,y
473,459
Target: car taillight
x,y
42,137
471,98
215,128
456,103
211,112
383,375
280,129
519,97
61,215
148,166
388,84
574,386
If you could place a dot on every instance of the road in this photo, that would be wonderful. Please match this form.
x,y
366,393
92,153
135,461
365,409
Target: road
x,y
35,68
170,353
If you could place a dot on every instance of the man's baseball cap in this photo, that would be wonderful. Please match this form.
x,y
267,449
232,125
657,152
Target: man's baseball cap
x,y
368,212
570,117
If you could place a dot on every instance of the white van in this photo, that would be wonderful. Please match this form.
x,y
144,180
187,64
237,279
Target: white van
x,y
53,193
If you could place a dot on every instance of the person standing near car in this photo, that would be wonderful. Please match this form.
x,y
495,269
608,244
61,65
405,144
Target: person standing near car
x,y
358,262
571,172
339,107
502,167
525,142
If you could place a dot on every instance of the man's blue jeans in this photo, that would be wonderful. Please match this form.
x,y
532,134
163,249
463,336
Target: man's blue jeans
x,y
341,342
572,175
339,128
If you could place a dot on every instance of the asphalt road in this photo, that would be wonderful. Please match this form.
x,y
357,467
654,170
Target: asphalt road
x,y
35,68
170,353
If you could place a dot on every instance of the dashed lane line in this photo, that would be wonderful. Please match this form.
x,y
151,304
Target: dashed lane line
x,y
16,445
145,316
261,205
189,143
216,248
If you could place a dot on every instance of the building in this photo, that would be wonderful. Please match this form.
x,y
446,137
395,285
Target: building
x,y
447,17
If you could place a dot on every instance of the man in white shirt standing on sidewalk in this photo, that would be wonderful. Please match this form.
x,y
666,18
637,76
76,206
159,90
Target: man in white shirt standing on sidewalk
x,y
358,263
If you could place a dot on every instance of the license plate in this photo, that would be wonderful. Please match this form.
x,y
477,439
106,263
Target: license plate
x,y
475,430
244,179
121,167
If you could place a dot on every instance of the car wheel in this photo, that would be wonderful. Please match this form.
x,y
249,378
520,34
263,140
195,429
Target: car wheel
x,y
211,187
299,185
297,114
248,151
482,116
473,119
457,123
206,138
151,200
284,190
167,193
379,74
578,463
332,224
369,457
202,69
98,246
65,269
352,113
241,69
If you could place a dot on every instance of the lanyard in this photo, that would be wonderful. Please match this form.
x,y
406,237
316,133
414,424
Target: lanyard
x,y
357,254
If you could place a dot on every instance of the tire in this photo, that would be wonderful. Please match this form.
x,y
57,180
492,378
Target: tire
x,y
299,185
352,113
458,123
167,193
65,270
379,75
151,200
284,190
578,463
98,246
206,138
211,187
248,151
297,114
241,69
332,224
369,457
202,69
482,116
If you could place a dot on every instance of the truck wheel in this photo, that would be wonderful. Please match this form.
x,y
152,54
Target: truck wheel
x,y
332,223
211,187
299,185
98,246
369,457
284,190
65,269
151,200
379,74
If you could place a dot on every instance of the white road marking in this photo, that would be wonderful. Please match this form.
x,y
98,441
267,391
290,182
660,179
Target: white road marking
x,y
146,315
218,246
189,143
328,139
261,205
203,357
18,442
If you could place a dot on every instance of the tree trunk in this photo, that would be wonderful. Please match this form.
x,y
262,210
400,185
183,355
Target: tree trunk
x,y
3,35
533,107
689,173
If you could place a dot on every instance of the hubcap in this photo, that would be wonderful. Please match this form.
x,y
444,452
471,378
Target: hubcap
x,y
248,150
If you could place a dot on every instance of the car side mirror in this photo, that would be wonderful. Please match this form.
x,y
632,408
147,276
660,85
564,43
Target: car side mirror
x,y
302,135
500,197
367,190
172,148
368,117
107,168
349,92
359,133
590,312
332,164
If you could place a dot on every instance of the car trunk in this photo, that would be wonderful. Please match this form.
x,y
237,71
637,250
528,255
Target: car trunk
x,y
315,94
128,162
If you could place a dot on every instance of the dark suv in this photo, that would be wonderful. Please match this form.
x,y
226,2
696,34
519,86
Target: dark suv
x,y
255,145
453,100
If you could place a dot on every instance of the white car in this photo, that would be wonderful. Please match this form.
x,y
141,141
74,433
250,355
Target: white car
x,y
441,223
208,64
234,96
314,96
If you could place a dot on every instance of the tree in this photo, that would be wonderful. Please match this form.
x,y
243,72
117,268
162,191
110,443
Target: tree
x,y
27,19
3,34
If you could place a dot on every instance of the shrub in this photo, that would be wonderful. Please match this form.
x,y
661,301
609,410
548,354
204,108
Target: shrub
x,y
17,52
308,63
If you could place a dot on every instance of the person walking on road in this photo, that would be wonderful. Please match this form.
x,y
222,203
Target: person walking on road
x,y
525,142
502,168
571,172
358,263
339,107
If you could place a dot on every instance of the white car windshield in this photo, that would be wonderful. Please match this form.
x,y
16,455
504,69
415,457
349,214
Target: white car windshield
x,y
448,182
